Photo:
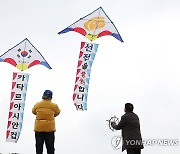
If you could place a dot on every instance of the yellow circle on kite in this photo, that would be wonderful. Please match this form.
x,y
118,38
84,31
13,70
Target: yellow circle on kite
x,y
94,23
91,37
22,66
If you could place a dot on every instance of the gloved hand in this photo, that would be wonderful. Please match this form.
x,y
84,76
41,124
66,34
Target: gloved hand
x,y
113,124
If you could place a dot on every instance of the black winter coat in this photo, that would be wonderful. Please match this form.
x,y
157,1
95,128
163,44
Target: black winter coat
x,y
131,133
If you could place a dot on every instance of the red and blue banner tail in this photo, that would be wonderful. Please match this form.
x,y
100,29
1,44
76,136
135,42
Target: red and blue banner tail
x,y
86,58
17,104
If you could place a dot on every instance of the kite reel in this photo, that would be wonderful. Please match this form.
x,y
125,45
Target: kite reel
x,y
112,119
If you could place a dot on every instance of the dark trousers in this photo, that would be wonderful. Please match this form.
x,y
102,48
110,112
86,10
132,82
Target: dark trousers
x,y
48,138
134,151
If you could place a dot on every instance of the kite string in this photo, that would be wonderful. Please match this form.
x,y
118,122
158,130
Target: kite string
x,y
97,23
23,56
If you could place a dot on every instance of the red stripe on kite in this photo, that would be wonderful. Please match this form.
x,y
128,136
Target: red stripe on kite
x,y
75,87
13,84
78,70
11,105
14,75
10,114
9,123
10,61
7,134
12,95
82,45
77,78
80,30
79,63
104,33
80,54
35,62
74,96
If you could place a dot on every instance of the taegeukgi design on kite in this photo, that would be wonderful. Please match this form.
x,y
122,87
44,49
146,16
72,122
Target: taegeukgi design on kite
x,y
23,56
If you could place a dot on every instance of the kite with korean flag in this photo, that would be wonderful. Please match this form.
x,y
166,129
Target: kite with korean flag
x,y
22,56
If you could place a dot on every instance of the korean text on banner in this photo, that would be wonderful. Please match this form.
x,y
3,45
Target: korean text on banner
x,y
86,58
17,104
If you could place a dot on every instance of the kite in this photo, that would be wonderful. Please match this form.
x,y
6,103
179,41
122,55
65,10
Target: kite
x,y
17,104
86,58
23,56
94,25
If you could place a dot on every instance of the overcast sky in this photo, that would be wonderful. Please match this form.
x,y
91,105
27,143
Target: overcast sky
x,y
144,70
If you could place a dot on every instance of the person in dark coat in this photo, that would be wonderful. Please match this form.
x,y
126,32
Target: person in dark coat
x,y
131,134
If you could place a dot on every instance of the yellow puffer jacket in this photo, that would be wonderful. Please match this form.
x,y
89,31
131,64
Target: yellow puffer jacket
x,y
45,112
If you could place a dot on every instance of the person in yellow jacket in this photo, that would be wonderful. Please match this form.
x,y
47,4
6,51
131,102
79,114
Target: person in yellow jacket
x,y
44,127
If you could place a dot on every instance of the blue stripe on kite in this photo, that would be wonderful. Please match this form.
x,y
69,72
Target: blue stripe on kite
x,y
25,85
1,60
85,97
24,96
86,87
90,63
85,106
93,56
95,47
18,136
20,125
88,71
87,80
23,105
117,36
45,64
66,30
27,77
22,115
